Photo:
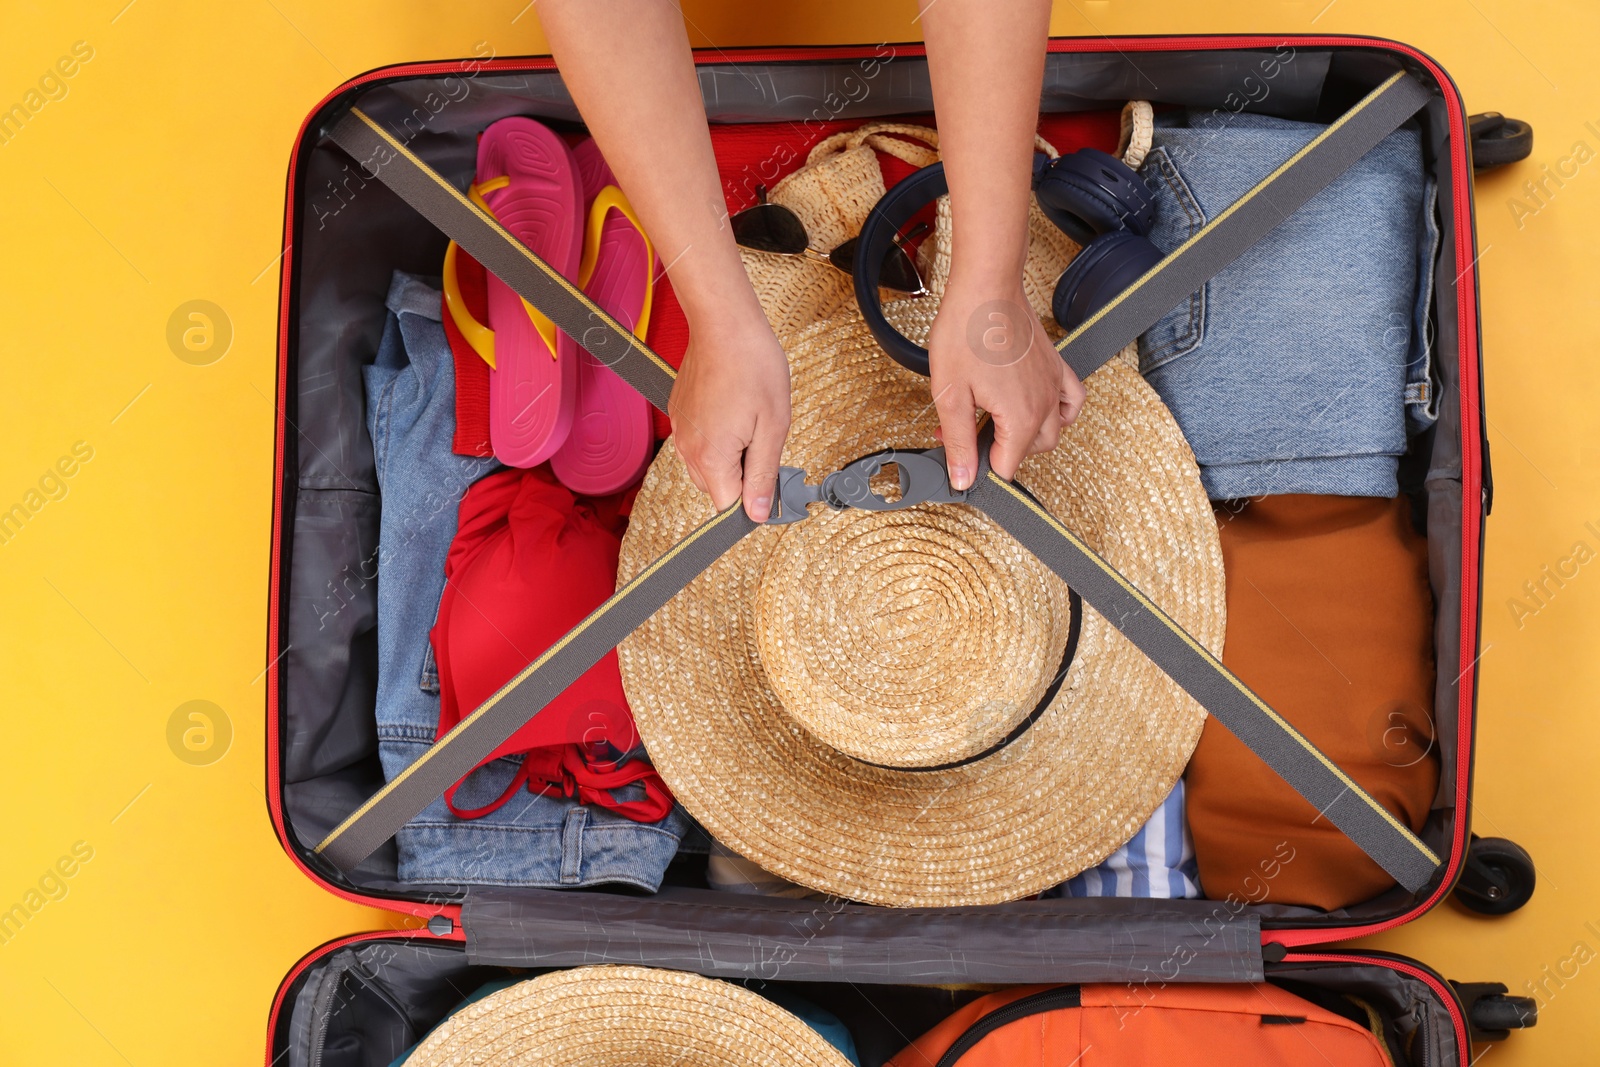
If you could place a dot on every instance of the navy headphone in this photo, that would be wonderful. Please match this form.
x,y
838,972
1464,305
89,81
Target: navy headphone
x,y
1095,198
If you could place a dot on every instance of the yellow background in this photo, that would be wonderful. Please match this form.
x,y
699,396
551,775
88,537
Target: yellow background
x,y
158,179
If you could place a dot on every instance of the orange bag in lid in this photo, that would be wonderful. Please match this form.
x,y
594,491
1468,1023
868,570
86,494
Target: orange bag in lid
x,y
1259,1025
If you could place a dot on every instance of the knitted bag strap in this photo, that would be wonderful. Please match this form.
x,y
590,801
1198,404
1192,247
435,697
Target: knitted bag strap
x,y
1133,144
892,138
898,140
1138,129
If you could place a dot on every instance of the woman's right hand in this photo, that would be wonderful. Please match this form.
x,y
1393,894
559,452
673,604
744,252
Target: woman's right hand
x,y
730,410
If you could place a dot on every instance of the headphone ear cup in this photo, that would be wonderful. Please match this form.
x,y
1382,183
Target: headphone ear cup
x,y
893,211
1088,193
1106,266
1061,207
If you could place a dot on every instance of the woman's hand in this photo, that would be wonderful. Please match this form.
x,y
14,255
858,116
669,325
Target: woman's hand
x,y
988,350
730,410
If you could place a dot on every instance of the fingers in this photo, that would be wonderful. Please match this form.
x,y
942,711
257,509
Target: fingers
x,y
959,429
713,471
1049,435
761,459
1073,395
719,473
1012,443
1068,404
718,480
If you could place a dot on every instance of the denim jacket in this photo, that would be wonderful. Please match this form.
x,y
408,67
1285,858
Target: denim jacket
x,y
1301,367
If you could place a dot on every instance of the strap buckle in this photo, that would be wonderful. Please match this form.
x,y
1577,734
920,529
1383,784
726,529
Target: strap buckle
x,y
924,479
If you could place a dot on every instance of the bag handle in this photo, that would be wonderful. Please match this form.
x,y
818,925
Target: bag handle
x,y
1138,132
897,139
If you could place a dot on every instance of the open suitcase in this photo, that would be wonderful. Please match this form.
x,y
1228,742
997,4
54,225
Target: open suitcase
x,y
362,999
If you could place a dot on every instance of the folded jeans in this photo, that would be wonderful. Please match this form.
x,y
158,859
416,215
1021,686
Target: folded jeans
x,y
1302,366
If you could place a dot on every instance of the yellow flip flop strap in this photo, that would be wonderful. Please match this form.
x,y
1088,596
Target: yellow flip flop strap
x,y
479,336
605,200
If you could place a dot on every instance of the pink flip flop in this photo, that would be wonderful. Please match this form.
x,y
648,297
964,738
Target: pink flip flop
x,y
529,181
612,438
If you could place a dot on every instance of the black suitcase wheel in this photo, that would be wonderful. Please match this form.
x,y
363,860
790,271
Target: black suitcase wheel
x,y
1498,877
1491,1013
1496,1014
1497,140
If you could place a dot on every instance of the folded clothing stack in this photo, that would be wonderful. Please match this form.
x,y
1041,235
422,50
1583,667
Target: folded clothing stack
x,y
1158,861
1330,620
529,838
1300,367
1298,375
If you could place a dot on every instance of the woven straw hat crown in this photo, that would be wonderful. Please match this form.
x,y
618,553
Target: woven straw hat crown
x,y
796,695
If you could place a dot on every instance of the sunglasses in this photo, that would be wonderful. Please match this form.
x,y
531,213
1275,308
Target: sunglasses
x,y
769,227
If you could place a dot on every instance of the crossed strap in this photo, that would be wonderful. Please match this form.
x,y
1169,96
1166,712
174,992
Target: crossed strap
x,y
923,480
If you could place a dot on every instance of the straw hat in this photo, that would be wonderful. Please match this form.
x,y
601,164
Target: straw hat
x,y
795,695
633,1016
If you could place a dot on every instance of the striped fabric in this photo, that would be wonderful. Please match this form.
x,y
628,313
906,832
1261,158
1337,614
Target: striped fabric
x,y
1157,862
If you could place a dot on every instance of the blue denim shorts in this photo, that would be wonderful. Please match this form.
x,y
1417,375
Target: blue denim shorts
x,y
1304,366
533,840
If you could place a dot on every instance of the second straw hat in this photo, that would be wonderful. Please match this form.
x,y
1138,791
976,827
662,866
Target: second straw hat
x,y
625,1017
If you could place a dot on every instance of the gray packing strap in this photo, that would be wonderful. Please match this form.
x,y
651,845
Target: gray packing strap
x,y
536,281
1334,794
523,697
1210,250
1242,224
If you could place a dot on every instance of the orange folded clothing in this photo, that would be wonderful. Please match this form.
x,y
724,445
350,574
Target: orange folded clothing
x,y
1330,620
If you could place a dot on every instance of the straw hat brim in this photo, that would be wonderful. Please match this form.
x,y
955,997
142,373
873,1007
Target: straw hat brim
x,y
1092,768
625,1017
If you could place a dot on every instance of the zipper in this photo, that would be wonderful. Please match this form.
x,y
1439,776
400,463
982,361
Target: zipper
x,y
1447,996
1423,1058
314,956
322,1014
1067,996
1467,332
323,1010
